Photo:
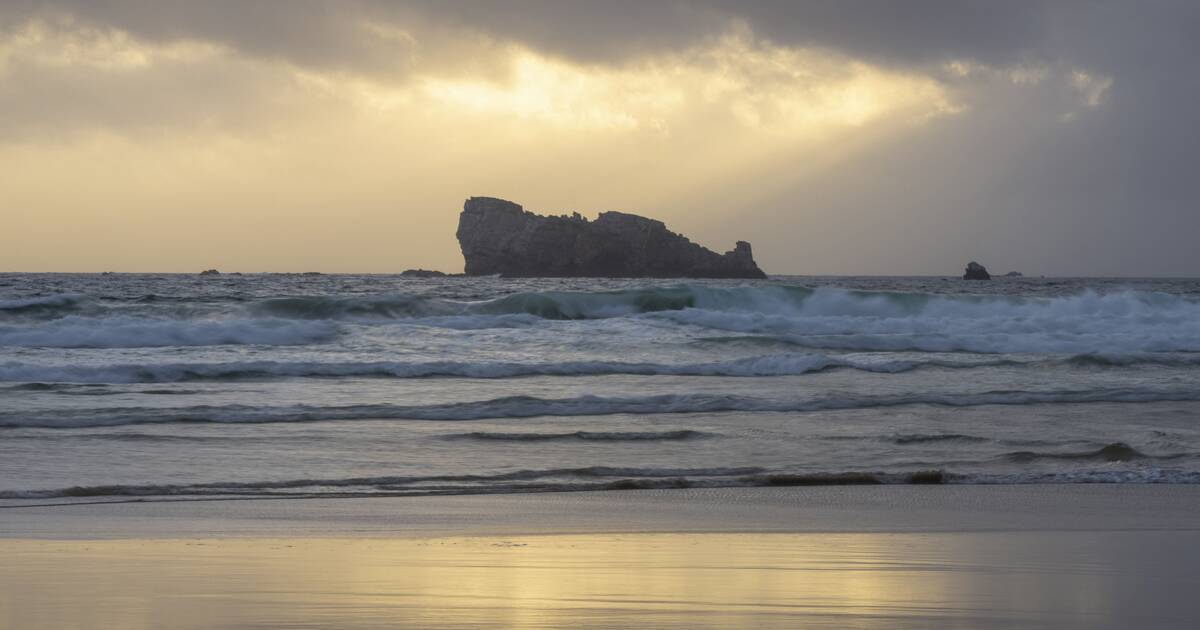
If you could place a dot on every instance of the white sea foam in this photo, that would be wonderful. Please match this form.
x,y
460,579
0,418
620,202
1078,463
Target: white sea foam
x,y
1126,322
824,318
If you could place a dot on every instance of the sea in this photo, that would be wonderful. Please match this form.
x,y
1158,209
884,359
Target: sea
x,y
155,387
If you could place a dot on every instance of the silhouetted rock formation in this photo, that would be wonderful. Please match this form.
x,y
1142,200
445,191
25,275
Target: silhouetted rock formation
x,y
976,271
1014,274
210,272
499,237
422,273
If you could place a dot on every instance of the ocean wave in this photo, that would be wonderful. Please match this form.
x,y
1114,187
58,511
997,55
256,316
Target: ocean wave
x,y
587,436
929,438
592,478
529,406
394,306
1139,475
1086,323
42,376
424,483
1110,359
1114,452
768,301
834,319
49,387
94,389
562,305
42,305
133,332
824,318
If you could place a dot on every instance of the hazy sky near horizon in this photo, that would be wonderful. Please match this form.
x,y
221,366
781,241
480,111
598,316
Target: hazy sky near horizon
x,y
839,137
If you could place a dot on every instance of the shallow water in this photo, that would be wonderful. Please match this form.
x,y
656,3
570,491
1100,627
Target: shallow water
x,y
151,386
913,580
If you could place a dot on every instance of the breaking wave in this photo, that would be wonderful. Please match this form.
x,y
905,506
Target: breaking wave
x,y
824,318
1086,323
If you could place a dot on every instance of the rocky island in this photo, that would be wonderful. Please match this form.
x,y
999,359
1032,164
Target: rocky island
x,y
500,237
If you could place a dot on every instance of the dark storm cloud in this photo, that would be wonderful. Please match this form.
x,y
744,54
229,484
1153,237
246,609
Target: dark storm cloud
x,y
1111,34
324,32
307,33
888,32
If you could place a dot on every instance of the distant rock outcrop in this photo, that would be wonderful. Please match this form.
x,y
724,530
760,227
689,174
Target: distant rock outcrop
x,y
210,272
1014,274
499,237
976,271
422,273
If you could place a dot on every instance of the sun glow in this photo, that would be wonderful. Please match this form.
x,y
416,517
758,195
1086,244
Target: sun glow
x,y
155,133
750,83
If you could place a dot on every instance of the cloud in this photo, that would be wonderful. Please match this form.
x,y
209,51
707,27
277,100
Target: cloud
x,y
354,34
841,137
154,135
59,75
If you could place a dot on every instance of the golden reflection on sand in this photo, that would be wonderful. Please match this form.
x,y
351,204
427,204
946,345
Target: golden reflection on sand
x,y
647,580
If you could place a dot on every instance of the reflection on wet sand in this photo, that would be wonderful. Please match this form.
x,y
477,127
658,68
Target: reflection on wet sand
x,y
917,580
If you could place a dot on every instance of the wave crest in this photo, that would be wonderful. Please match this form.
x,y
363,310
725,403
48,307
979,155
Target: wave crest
x,y
1087,323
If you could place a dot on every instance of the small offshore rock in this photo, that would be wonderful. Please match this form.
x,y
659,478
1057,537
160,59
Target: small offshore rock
x,y
976,271
210,272
422,273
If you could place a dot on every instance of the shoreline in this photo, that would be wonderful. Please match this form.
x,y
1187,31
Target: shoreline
x,y
1061,557
812,509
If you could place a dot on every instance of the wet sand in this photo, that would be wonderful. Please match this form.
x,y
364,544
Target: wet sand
x,y
952,557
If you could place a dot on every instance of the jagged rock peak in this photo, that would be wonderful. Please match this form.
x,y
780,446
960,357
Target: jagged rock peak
x,y
500,237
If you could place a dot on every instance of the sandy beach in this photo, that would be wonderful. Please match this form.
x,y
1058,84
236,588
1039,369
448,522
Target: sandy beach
x,y
837,557
687,314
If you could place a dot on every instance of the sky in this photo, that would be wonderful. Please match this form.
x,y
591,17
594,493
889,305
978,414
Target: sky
x,y
838,137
